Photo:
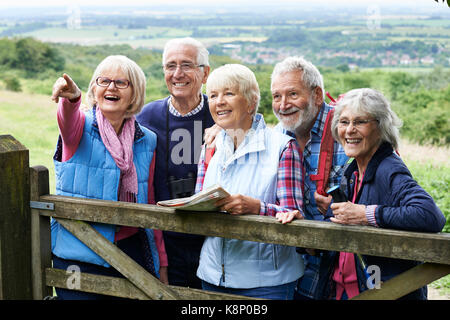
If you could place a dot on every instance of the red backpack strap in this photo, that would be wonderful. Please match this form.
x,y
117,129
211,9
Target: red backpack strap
x,y
332,101
209,152
325,157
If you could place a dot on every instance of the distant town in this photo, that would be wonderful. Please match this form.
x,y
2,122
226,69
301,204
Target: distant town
x,y
351,37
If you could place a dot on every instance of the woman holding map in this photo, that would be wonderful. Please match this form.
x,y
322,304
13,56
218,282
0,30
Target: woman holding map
x,y
261,170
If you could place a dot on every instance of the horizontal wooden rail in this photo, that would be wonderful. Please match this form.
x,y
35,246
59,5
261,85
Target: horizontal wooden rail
x,y
123,288
406,282
143,280
428,247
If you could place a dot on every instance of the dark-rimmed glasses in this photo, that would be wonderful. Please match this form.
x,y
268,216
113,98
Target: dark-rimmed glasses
x,y
119,83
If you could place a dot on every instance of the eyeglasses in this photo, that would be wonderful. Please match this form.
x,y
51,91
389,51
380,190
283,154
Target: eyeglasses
x,y
119,83
185,67
358,123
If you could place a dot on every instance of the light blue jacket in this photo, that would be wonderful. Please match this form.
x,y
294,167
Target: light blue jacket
x,y
92,173
250,170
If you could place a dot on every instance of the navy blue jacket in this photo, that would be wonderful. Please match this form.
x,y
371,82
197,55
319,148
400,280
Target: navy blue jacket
x,y
402,204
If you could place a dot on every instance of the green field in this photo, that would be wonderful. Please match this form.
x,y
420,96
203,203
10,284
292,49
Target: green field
x,y
149,37
31,119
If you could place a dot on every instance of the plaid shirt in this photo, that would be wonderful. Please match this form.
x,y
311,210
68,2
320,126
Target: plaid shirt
x,y
308,283
289,181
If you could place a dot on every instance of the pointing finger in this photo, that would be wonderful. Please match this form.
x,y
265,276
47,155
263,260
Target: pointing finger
x,y
68,79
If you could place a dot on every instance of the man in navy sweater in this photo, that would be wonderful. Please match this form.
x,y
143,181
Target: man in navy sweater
x,y
179,121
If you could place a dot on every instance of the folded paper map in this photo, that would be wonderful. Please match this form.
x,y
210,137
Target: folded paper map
x,y
203,201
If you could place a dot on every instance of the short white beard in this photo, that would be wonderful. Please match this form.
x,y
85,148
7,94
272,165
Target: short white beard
x,y
305,120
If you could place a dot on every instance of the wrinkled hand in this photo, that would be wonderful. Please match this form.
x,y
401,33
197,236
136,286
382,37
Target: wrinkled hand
x,y
65,87
210,135
239,204
349,213
163,276
286,217
322,202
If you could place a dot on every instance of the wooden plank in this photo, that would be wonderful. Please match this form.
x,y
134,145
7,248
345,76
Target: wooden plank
x,y
429,247
41,255
15,221
112,286
406,282
151,286
123,288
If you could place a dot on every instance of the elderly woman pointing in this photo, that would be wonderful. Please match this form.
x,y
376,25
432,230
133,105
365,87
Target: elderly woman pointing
x,y
380,191
261,170
105,154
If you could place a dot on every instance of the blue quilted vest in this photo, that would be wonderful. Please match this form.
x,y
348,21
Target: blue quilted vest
x,y
92,173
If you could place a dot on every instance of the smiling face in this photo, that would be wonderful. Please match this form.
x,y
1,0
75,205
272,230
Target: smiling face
x,y
359,142
293,103
184,86
113,102
229,108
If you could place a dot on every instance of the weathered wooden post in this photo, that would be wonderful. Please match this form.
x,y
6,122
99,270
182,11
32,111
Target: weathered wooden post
x,y
15,220
41,256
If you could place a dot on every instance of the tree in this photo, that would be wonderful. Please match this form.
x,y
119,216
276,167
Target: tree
x,y
34,57
400,82
7,52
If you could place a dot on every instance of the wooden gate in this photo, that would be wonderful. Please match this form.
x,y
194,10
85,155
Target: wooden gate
x,y
25,256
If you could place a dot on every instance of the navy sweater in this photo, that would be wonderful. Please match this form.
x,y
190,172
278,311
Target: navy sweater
x,y
185,142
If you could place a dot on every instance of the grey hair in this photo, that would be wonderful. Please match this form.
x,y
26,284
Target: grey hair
x,y
374,103
134,74
238,75
311,76
202,52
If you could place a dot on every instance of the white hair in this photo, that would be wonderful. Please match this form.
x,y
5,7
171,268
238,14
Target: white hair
x,y
134,74
372,102
231,75
202,52
311,76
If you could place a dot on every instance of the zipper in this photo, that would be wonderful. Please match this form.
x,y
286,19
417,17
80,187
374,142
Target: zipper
x,y
223,272
275,255
223,260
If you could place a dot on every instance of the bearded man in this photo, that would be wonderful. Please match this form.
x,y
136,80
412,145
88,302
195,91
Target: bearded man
x,y
298,102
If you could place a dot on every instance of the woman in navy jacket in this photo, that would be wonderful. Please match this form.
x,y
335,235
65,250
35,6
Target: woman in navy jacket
x,y
380,191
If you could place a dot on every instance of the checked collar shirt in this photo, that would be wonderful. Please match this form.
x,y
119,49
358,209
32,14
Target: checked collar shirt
x,y
308,283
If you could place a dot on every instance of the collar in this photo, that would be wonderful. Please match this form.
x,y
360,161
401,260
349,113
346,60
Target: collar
x,y
175,112
383,151
254,140
320,120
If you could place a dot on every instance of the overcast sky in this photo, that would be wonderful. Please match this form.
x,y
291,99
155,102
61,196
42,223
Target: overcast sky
x,y
110,3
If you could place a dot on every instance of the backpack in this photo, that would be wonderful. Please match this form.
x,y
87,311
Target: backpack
x,y
326,152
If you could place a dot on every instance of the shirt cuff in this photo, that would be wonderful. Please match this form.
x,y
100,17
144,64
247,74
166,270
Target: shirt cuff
x,y
370,215
263,209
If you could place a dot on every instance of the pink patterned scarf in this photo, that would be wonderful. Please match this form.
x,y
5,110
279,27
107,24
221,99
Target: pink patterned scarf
x,y
121,149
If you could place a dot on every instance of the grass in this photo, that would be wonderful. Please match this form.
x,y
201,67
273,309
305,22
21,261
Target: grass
x,y
430,167
31,119
443,285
